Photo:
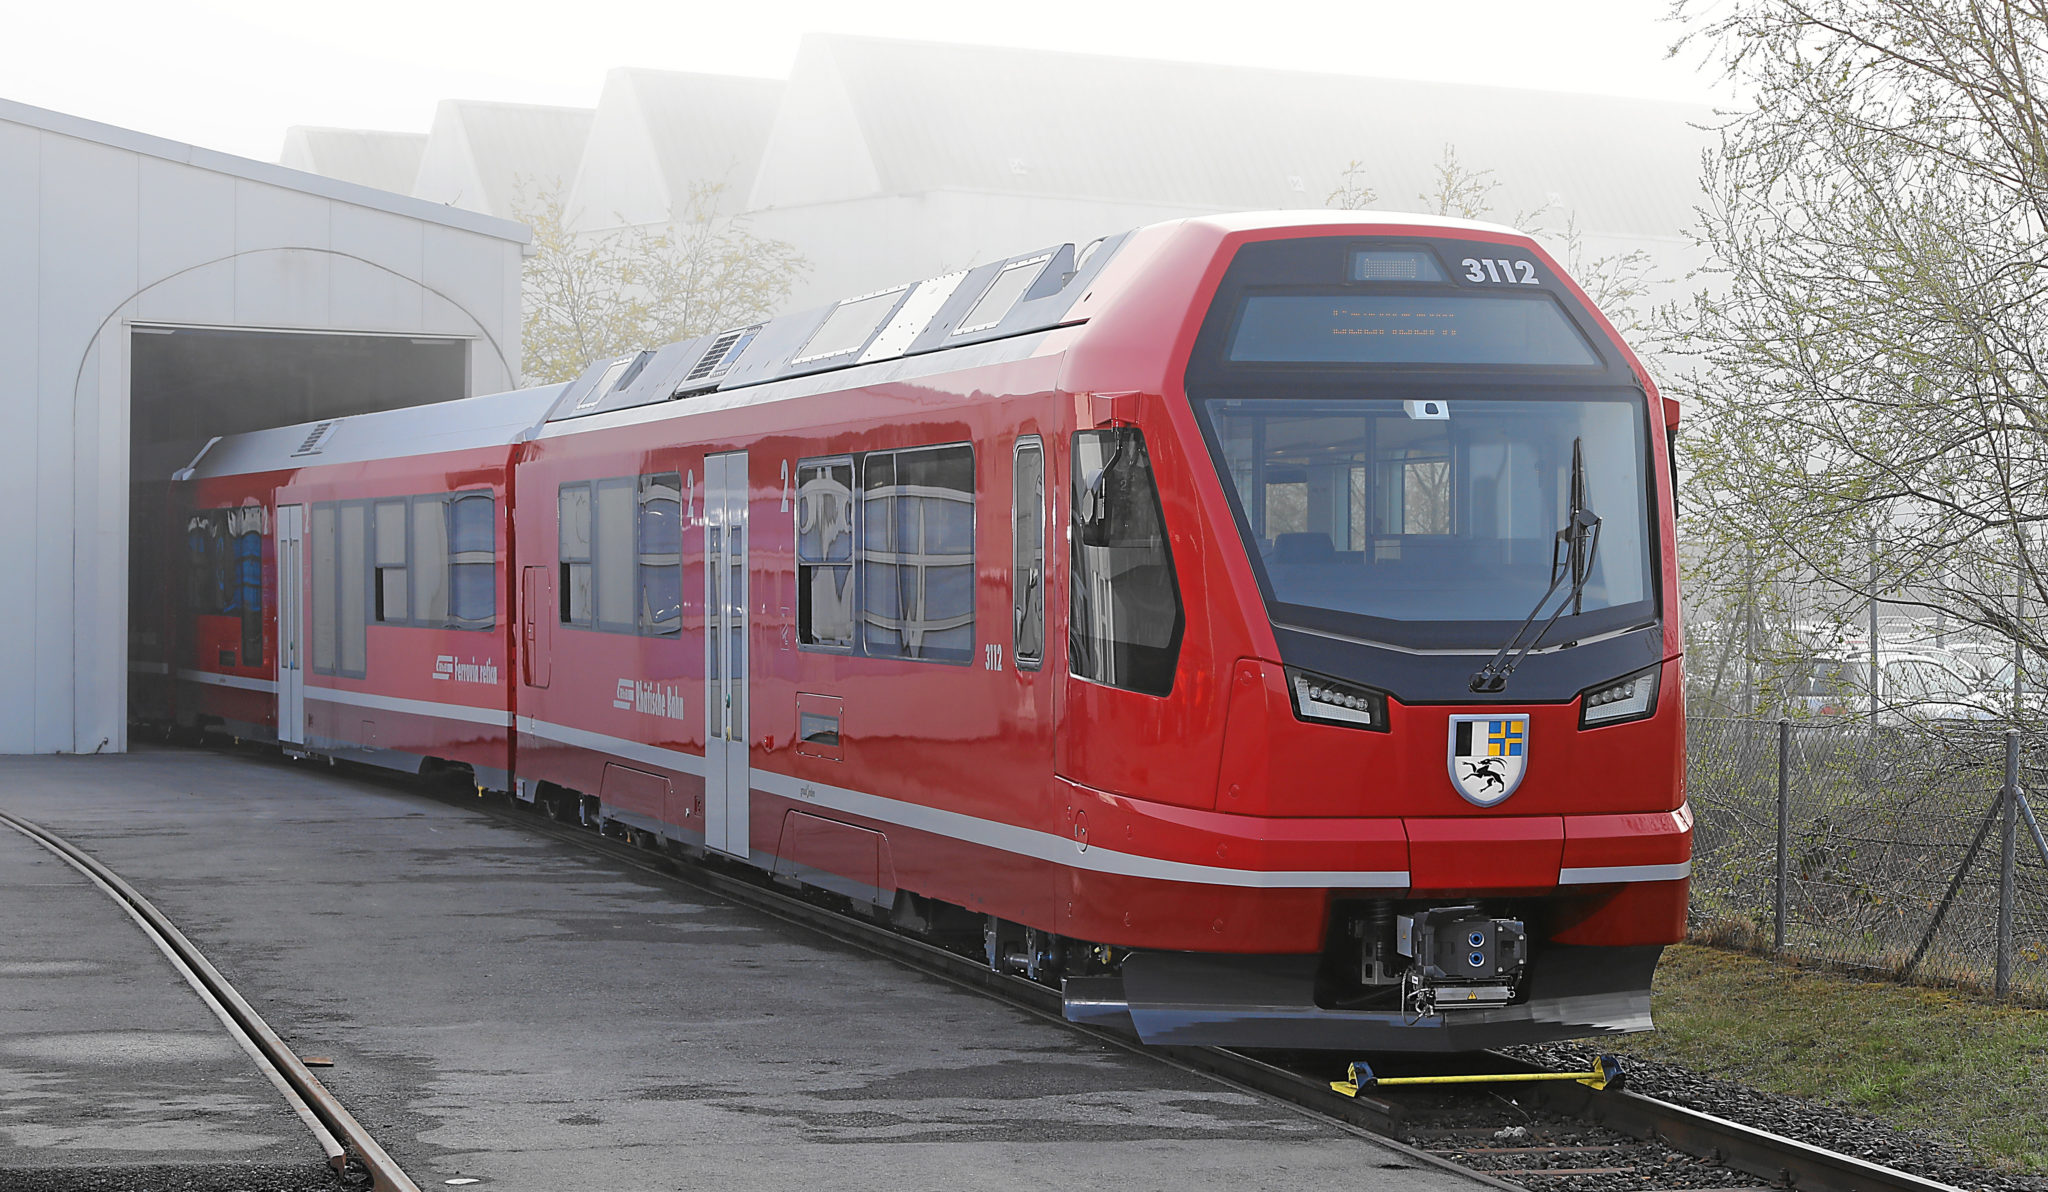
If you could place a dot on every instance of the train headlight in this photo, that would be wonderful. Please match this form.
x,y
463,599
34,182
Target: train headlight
x,y
1330,701
1633,698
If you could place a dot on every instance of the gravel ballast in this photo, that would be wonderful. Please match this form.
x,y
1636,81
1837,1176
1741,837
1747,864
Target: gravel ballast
x,y
1922,1153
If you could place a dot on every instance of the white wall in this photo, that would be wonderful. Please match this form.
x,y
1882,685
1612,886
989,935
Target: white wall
x,y
101,228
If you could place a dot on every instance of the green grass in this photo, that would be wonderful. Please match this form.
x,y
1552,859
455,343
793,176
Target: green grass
x,y
1920,1058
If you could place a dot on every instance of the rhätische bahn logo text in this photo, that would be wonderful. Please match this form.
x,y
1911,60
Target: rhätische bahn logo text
x,y
1488,756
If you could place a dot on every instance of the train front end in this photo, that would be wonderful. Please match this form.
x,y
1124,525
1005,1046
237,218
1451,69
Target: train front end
x,y
1422,498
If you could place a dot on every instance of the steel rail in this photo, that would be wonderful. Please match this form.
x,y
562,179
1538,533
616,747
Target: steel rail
x,y
1786,1161
337,1155
333,1126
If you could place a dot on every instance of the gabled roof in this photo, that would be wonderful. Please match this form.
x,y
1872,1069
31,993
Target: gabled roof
x,y
480,155
386,160
867,116
658,133
286,177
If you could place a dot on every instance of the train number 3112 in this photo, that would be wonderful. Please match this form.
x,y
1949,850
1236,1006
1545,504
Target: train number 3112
x,y
1518,273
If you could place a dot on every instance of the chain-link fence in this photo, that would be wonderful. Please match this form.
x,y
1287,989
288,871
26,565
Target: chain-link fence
x,y
1886,850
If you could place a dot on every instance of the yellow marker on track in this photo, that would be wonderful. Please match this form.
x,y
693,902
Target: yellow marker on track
x,y
1605,1074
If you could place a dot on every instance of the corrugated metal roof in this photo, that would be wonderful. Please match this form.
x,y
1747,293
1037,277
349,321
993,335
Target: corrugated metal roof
x,y
937,117
494,419
480,154
386,160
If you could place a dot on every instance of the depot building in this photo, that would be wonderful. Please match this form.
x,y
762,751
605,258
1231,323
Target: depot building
x,y
157,294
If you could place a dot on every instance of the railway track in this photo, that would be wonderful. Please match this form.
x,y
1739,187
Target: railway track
x,y
1552,1137
345,1142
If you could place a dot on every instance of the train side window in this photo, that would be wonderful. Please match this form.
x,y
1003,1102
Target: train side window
x,y
917,553
661,553
207,587
430,561
614,562
1124,614
391,589
224,574
214,549
824,553
472,561
247,525
325,623
1027,550
572,502
353,580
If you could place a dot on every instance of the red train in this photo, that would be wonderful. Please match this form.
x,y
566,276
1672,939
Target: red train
x,y
1265,625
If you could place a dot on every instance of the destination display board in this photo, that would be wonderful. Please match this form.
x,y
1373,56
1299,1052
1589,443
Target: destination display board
x,y
1453,329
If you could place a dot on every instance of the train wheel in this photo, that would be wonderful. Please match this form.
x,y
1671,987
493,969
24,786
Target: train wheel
x,y
1044,955
1004,944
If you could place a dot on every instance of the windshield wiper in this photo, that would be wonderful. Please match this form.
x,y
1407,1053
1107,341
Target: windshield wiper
x,y
1579,538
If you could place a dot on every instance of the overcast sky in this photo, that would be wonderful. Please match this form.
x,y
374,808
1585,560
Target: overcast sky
x,y
234,74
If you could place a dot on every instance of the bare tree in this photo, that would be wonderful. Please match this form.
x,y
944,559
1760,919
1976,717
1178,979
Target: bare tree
x,y
1866,366
1460,190
1619,283
593,295
1352,193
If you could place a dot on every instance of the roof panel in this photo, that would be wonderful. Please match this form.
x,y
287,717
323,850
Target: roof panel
x,y
492,420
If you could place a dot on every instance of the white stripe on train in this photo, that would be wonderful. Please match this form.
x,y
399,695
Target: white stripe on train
x,y
1009,838
1045,846
235,681
468,714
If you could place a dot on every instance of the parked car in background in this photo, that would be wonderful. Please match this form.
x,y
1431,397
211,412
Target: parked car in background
x,y
1932,687
1992,666
1916,686
1830,686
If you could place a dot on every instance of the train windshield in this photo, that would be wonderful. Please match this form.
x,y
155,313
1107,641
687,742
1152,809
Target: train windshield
x,y
1433,522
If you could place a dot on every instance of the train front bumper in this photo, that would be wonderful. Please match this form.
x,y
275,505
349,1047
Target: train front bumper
x,y
1224,1000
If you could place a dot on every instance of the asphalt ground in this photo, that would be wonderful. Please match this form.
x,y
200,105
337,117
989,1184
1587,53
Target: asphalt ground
x,y
113,1072
510,1009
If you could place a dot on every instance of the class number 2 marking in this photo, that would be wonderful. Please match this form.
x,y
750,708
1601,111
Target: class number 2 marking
x,y
1513,273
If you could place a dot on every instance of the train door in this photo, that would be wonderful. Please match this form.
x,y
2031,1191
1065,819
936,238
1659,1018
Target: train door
x,y
291,634
728,775
536,626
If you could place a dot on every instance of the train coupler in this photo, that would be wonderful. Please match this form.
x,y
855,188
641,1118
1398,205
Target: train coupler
x,y
1605,1074
1459,959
